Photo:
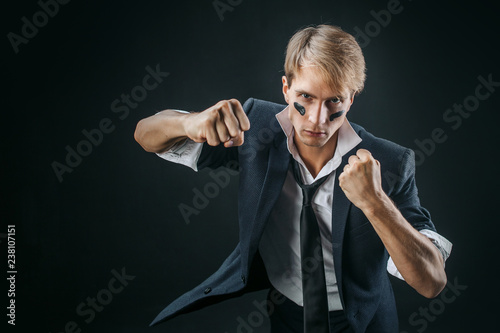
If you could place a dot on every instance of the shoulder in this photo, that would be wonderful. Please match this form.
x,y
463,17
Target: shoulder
x,y
262,114
387,152
377,144
253,105
397,163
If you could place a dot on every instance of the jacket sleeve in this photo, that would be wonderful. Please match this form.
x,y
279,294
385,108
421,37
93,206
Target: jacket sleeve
x,y
405,194
405,197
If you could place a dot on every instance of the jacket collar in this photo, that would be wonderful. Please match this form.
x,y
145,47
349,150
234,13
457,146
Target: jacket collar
x,y
347,140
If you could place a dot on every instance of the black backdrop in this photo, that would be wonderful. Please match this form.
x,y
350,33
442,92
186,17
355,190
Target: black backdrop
x,y
117,211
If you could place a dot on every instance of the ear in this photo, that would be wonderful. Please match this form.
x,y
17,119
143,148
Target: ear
x,y
285,88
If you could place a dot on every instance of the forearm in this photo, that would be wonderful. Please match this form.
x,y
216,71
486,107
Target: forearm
x,y
417,259
160,132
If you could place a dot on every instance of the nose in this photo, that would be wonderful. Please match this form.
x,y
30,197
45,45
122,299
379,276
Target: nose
x,y
318,114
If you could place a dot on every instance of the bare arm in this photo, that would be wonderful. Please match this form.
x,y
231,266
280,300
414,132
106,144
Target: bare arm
x,y
417,259
225,122
160,132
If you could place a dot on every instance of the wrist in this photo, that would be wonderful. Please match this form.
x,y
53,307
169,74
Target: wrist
x,y
182,123
174,128
376,205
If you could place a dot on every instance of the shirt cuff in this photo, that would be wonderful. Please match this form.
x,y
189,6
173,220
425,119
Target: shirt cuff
x,y
185,152
443,245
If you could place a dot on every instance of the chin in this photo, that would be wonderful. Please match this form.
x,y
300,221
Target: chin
x,y
313,143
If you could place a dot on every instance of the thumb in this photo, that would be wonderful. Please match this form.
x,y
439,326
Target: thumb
x,y
235,141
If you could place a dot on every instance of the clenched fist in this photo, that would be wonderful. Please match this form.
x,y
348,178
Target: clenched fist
x,y
225,122
361,180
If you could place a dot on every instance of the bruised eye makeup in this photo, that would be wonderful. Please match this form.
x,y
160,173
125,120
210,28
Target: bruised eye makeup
x,y
336,115
302,111
299,108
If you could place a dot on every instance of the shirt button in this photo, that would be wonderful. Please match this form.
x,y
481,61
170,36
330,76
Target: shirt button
x,y
207,290
243,279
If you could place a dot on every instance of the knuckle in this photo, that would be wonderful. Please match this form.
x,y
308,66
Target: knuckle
x,y
207,122
221,105
234,133
212,113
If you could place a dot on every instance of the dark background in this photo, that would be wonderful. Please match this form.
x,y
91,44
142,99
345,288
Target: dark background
x,y
118,209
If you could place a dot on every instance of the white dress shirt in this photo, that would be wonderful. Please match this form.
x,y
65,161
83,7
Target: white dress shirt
x,y
280,243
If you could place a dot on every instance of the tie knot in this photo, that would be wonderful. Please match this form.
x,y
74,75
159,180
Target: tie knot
x,y
308,191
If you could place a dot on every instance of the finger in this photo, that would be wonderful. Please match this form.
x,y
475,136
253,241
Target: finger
x,y
231,122
341,179
229,143
346,167
221,129
212,136
238,140
240,115
363,154
353,159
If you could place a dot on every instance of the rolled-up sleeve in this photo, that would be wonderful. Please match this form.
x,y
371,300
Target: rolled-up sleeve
x,y
186,152
443,245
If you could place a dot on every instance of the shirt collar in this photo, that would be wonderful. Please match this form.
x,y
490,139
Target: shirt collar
x,y
347,140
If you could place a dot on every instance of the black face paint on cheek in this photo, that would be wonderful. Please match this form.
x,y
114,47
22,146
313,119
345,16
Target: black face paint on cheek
x,y
336,115
300,108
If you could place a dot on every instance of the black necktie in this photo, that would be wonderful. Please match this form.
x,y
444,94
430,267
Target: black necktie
x,y
316,318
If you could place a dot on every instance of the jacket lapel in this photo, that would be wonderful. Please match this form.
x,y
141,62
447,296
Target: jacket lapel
x,y
277,167
340,211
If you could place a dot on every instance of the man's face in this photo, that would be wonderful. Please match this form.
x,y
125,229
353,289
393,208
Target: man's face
x,y
314,131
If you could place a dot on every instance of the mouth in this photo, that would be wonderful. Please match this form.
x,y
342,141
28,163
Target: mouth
x,y
314,134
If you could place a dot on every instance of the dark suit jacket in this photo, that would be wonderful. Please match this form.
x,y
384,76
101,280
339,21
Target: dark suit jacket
x,y
359,255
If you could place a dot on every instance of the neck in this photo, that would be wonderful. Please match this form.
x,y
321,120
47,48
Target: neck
x,y
315,158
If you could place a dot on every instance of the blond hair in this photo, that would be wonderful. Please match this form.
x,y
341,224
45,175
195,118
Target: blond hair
x,y
333,51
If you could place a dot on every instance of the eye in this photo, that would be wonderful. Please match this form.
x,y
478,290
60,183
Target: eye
x,y
306,96
335,100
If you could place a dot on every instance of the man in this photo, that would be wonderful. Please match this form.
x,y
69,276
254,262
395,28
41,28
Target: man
x,y
328,275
